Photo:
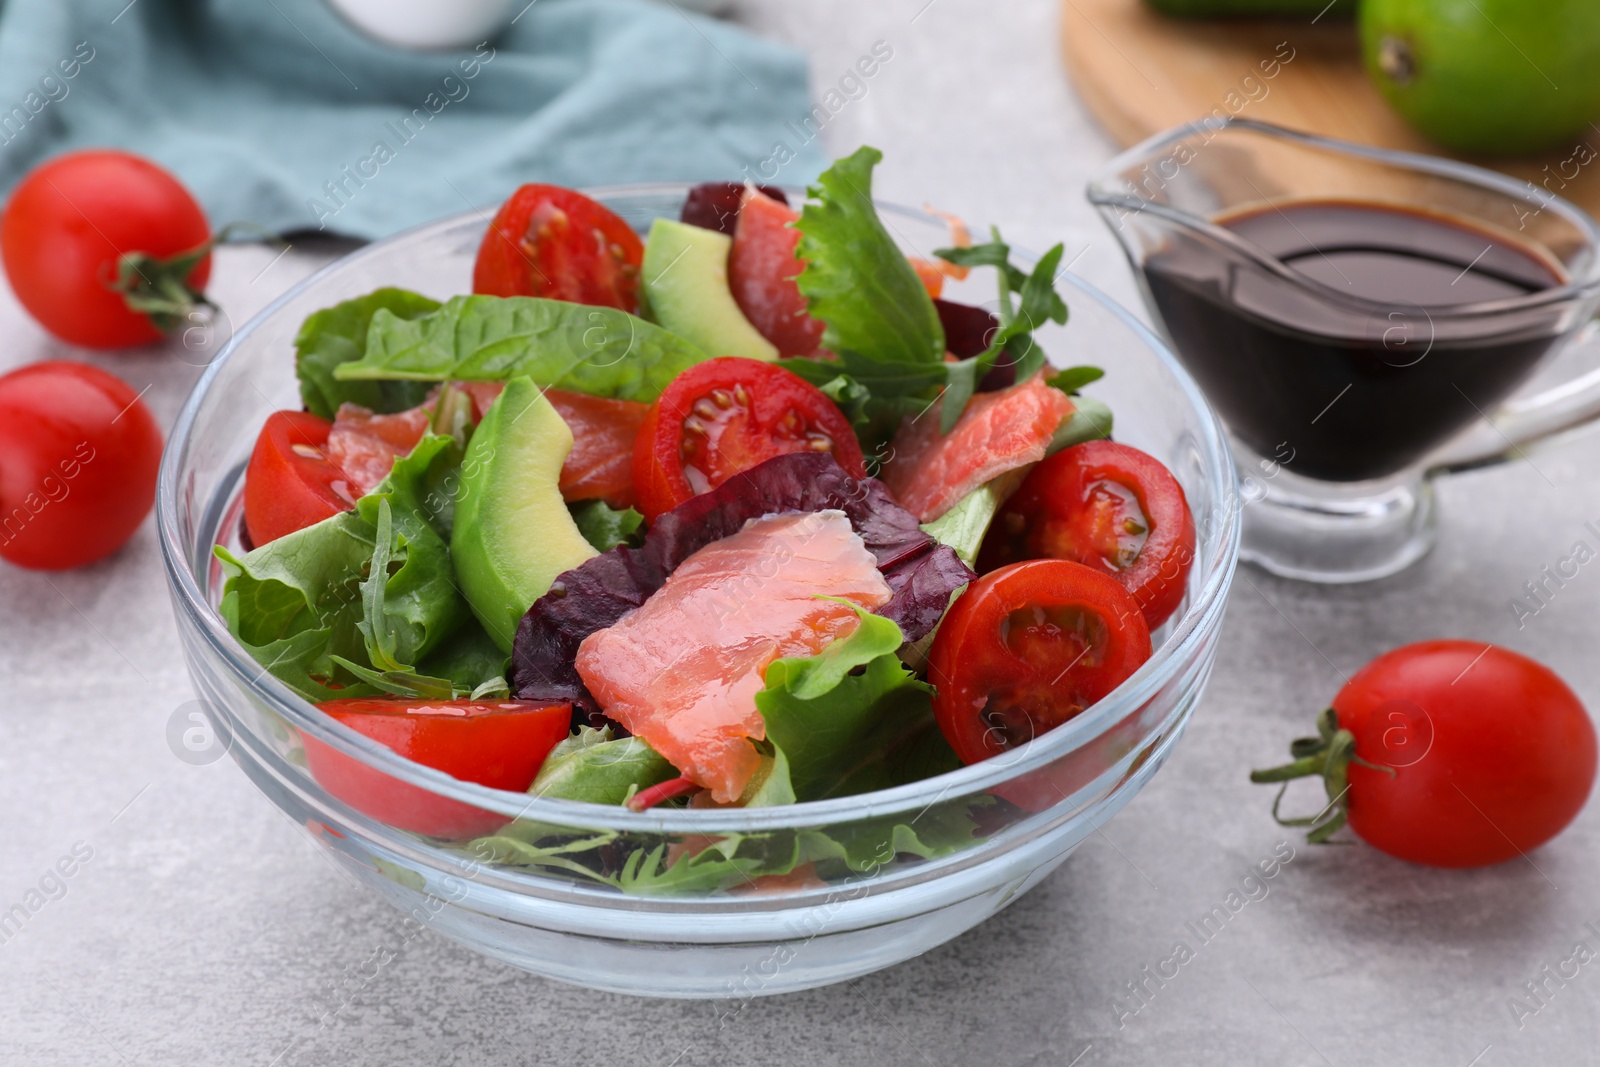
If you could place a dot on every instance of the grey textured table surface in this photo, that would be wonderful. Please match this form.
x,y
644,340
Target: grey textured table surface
x,y
206,929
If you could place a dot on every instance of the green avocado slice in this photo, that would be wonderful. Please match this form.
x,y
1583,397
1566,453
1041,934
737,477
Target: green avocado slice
x,y
513,534
686,287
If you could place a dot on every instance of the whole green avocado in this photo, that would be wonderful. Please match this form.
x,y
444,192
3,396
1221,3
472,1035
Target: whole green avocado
x,y
1488,77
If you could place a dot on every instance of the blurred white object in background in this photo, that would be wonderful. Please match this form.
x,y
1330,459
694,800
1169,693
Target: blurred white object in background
x,y
428,24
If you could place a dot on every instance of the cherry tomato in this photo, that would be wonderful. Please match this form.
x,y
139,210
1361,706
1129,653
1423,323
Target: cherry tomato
x,y
762,266
1450,754
290,483
1028,647
1109,507
70,220
559,244
79,453
727,415
501,745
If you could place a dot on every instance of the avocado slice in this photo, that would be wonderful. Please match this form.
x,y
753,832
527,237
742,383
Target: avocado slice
x,y
686,289
513,533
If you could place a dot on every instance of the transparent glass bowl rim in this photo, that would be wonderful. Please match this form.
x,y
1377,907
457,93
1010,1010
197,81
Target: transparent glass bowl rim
x,y
1103,193
1207,602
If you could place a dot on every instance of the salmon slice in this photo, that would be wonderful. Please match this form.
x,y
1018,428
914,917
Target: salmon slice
x,y
929,472
682,671
600,466
365,445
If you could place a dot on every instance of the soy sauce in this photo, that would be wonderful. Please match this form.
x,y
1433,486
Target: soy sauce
x,y
1378,360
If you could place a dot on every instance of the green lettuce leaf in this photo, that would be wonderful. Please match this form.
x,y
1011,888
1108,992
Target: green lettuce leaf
x,y
1089,421
603,526
310,601
595,350
856,279
964,526
338,335
852,718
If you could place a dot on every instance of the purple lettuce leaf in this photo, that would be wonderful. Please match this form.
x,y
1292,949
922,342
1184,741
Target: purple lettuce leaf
x,y
921,573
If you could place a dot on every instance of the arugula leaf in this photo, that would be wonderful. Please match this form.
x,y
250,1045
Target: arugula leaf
x,y
840,721
1037,303
565,852
865,846
856,279
595,350
311,601
729,862
603,526
467,666
338,335
732,861
1073,379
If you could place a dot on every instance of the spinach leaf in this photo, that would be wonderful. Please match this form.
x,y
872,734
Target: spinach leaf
x,y
338,335
595,350
592,767
856,279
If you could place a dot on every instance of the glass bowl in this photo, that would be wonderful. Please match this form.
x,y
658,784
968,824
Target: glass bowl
x,y
879,877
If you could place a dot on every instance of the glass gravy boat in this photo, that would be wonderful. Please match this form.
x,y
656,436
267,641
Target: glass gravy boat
x,y
1343,404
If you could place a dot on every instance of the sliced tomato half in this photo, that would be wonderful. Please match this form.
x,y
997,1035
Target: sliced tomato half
x,y
1027,648
556,243
290,483
726,415
501,745
1110,507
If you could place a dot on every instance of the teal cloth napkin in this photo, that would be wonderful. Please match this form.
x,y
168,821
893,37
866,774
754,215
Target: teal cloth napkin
x,y
279,113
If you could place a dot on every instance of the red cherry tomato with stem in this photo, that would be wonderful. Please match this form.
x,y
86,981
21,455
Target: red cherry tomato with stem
x,y
79,452
1107,506
1029,647
70,221
1448,754
726,415
501,745
556,243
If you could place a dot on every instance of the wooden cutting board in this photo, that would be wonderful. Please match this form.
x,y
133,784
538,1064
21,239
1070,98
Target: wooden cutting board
x,y
1141,73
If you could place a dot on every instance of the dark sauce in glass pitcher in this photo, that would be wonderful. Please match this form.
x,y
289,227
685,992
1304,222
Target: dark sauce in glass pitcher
x,y
1363,373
